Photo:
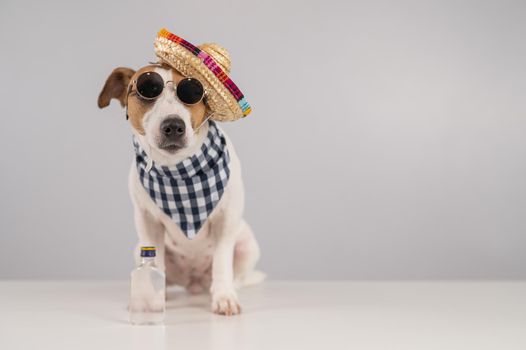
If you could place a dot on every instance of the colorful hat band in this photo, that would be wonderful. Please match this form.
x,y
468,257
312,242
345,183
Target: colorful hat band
x,y
211,64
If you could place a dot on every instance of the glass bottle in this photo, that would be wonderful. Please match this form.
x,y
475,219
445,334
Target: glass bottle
x,y
147,296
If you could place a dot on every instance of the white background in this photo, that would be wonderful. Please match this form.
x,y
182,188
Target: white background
x,y
387,138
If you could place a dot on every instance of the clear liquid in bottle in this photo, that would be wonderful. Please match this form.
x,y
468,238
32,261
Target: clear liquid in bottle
x,y
147,296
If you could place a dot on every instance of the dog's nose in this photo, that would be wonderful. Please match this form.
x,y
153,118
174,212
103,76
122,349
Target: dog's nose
x,y
173,128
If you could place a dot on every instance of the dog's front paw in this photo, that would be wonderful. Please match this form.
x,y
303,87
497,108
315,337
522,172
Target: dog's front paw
x,y
225,304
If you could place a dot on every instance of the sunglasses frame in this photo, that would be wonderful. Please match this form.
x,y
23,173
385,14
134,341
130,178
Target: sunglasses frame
x,y
136,91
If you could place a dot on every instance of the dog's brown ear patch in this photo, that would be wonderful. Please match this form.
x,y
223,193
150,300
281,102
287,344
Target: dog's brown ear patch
x,y
115,86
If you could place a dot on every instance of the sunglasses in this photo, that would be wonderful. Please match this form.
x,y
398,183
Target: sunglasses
x,y
150,85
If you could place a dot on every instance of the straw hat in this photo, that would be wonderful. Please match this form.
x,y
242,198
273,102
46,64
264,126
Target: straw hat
x,y
210,64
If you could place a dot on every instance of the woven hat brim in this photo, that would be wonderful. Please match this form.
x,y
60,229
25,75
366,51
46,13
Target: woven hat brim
x,y
223,97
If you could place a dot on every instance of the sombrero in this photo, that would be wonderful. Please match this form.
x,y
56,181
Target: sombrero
x,y
210,64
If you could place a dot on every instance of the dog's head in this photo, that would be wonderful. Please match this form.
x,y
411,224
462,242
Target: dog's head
x,y
165,123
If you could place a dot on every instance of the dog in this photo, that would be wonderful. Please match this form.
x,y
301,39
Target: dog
x,y
223,254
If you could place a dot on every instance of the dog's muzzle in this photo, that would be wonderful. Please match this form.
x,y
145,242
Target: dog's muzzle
x,y
172,131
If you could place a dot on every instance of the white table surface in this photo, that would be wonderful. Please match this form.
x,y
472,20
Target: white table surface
x,y
276,315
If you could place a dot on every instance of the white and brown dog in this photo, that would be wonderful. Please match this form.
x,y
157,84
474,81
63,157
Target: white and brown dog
x,y
224,252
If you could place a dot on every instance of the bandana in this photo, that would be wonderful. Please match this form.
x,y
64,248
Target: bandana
x,y
190,190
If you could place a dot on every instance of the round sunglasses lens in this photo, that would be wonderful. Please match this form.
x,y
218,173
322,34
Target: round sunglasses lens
x,y
150,85
190,91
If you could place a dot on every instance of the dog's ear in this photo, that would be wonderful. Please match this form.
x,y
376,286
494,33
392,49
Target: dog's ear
x,y
115,86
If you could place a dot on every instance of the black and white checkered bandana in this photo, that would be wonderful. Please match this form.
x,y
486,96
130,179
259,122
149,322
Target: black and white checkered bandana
x,y
190,190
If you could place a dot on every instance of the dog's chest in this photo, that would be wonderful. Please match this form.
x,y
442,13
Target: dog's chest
x,y
176,241
193,257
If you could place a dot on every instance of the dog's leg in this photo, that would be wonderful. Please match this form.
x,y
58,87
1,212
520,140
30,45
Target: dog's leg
x,y
246,255
224,297
151,233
